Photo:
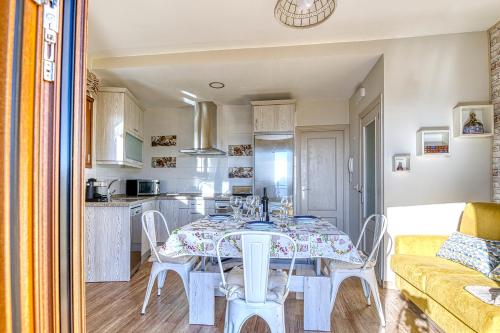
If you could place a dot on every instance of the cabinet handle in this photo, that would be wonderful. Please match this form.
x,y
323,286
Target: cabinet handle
x,y
88,158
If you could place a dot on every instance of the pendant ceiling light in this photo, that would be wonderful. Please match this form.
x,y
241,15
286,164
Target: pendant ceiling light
x,y
303,13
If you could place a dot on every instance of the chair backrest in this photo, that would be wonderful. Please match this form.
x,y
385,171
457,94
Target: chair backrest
x,y
379,229
148,225
256,248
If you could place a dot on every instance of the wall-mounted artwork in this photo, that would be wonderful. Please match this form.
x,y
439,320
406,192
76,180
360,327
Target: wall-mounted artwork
x,y
164,140
401,162
240,172
240,150
164,162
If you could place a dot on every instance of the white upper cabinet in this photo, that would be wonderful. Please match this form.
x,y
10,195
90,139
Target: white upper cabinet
x,y
119,128
274,116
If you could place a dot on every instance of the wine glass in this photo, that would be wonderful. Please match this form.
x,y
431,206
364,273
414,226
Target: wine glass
x,y
283,208
235,203
249,205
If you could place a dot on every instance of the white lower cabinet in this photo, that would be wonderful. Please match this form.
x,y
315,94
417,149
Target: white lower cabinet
x,y
178,213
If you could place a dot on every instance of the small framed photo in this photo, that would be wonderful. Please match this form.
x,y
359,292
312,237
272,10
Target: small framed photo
x,y
401,163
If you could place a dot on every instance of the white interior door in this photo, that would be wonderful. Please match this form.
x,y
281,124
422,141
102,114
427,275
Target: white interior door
x,y
370,169
322,175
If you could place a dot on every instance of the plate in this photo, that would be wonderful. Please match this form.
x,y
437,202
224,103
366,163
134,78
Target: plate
x,y
259,225
218,217
305,218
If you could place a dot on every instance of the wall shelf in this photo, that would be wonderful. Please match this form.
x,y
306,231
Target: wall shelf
x,y
484,114
433,141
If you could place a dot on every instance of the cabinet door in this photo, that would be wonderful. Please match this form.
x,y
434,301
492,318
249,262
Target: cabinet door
x,y
130,117
265,118
285,118
140,122
169,209
184,216
109,132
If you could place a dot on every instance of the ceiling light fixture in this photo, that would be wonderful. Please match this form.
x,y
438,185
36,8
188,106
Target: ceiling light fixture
x,y
216,85
303,13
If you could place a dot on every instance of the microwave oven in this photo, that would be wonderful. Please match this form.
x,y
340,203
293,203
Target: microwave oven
x,y
138,187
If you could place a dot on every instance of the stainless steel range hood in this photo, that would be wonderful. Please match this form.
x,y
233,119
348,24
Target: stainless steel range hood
x,y
205,131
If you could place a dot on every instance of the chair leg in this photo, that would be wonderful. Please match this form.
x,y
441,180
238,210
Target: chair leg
x,y
162,277
336,279
152,277
184,274
372,281
366,291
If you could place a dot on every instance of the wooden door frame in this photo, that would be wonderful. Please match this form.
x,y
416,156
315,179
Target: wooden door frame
x,y
30,293
299,132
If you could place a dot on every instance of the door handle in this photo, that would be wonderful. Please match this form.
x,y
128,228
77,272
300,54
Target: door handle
x,y
306,188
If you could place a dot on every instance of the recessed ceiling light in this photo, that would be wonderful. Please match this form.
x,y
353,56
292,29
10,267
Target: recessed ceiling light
x,y
216,85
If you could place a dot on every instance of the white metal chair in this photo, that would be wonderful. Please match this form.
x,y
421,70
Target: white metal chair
x,y
161,263
339,271
255,289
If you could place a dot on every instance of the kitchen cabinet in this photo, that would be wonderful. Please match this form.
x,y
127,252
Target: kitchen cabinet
x,y
274,116
178,213
119,128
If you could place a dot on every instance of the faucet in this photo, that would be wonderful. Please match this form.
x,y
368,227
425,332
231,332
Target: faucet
x,y
109,192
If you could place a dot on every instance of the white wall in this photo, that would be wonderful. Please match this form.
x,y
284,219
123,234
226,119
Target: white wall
x,y
424,78
310,112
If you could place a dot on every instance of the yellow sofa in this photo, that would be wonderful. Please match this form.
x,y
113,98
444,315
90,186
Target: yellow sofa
x,y
436,285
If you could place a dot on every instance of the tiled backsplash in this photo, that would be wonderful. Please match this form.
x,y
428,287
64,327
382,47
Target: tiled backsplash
x,y
191,174
495,99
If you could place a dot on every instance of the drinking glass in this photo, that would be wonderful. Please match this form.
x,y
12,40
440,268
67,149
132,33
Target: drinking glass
x,y
249,205
235,203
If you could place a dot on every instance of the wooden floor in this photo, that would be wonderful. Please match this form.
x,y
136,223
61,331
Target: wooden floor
x,y
115,307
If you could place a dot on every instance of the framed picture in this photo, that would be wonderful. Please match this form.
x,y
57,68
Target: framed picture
x,y
240,172
240,150
164,140
401,163
164,162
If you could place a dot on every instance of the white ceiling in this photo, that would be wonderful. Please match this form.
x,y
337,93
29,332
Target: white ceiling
x,y
157,48
332,77
126,27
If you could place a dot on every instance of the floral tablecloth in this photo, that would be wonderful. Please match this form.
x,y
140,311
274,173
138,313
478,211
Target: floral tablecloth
x,y
320,239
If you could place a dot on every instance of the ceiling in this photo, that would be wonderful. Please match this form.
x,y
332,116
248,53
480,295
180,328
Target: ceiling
x,y
159,48
328,77
131,27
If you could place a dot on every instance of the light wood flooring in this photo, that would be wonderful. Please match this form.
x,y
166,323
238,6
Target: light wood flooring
x,y
115,307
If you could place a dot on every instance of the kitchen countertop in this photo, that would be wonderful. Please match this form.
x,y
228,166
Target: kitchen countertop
x,y
125,201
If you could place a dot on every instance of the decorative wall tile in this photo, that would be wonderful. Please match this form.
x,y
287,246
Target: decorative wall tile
x,y
240,172
163,162
495,99
240,150
164,140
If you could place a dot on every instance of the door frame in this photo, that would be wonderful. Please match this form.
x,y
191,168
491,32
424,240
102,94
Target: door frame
x,y
381,205
299,132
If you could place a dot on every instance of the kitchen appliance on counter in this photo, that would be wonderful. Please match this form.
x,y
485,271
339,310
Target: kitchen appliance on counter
x,y
96,191
273,167
142,187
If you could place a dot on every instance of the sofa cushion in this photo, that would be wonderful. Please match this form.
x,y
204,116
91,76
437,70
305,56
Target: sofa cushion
x,y
481,220
480,254
448,290
417,269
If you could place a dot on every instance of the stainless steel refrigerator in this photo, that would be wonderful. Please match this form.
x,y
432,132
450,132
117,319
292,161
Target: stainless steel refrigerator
x,y
273,160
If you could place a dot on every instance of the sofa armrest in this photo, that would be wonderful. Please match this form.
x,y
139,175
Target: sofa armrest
x,y
419,245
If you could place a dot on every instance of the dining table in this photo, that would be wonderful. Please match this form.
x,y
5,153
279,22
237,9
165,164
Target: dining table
x,y
316,239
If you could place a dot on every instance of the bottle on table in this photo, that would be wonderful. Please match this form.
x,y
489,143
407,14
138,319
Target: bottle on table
x,y
265,205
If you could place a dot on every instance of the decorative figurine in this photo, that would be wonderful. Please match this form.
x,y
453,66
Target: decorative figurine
x,y
473,126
